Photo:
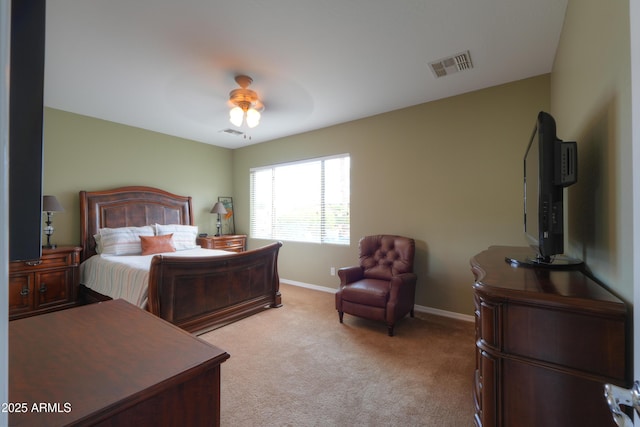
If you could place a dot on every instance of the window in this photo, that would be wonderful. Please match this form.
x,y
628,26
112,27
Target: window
x,y
306,201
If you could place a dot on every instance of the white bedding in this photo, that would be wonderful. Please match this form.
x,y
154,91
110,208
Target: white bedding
x,y
127,276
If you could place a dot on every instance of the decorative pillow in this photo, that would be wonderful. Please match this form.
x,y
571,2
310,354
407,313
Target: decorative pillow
x,y
157,244
123,240
184,236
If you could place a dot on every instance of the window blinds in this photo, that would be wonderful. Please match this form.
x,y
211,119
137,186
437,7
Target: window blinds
x,y
305,201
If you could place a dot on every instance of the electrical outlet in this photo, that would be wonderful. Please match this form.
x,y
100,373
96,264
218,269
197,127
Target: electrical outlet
x,y
333,271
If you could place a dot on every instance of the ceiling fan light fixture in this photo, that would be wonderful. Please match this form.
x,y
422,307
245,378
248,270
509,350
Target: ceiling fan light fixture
x,y
253,117
236,115
245,104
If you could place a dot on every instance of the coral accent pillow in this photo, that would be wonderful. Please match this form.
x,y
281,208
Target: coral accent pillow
x,y
157,244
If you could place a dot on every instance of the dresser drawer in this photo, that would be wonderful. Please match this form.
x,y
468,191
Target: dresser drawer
x,y
20,294
47,284
53,288
50,259
235,243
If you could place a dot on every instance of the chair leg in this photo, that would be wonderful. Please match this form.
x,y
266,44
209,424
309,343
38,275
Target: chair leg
x,y
340,314
411,313
390,330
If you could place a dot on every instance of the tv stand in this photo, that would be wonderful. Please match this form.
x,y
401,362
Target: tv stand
x,y
546,343
558,262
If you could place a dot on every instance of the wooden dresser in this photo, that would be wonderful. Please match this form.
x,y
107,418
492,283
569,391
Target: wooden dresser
x,y
47,284
110,364
546,343
229,242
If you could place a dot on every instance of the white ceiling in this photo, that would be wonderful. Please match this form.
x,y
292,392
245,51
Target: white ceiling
x,y
169,65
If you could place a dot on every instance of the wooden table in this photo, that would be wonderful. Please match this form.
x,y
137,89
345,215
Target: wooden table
x,y
110,364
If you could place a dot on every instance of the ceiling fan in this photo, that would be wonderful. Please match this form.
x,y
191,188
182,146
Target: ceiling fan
x,y
246,106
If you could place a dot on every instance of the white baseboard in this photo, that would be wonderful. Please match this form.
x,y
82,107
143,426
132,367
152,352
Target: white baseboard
x,y
444,313
418,308
309,286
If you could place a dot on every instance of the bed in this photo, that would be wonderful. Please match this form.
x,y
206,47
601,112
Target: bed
x,y
196,293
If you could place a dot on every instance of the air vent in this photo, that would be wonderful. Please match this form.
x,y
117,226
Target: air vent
x,y
232,132
236,133
452,64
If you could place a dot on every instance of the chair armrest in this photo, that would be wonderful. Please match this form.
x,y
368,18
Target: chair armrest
x,y
350,274
405,278
403,286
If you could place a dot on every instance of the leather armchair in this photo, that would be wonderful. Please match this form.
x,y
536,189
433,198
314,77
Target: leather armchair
x,y
383,286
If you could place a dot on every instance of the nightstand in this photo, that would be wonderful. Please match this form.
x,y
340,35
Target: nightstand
x,y
230,242
46,284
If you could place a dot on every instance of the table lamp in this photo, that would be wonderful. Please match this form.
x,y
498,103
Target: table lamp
x,y
50,205
219,209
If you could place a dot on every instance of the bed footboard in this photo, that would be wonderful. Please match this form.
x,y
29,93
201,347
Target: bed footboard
x,y
200,294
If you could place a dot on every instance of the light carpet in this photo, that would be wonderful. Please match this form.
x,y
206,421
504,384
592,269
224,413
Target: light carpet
x,y
298,366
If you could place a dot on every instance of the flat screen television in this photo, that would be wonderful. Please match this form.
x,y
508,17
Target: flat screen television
x,y
26,126
550,165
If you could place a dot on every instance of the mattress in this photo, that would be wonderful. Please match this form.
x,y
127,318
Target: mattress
x,y
127,276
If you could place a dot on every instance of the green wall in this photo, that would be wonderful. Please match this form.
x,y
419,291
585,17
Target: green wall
x,y
447,173
82,153
591,101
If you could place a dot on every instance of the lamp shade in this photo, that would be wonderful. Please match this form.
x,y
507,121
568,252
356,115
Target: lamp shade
x,y
51,204
218,208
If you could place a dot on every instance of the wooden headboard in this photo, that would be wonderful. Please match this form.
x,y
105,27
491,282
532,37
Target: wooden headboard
x,y
129,207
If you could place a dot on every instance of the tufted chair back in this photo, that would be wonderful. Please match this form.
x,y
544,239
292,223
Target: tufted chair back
x,y
385,256
383,285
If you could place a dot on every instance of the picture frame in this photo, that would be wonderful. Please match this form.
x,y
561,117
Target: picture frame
x,y
228,219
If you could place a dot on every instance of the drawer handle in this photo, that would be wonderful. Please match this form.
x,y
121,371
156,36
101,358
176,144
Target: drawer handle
x,y
24,291
43,288
33,263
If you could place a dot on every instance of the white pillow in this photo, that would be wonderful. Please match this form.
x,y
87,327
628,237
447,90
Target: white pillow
x,y
184,236
96,237
123,240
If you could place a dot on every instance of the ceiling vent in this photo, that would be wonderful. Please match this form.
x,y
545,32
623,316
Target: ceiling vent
x,y
452,64
236,133
232,132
